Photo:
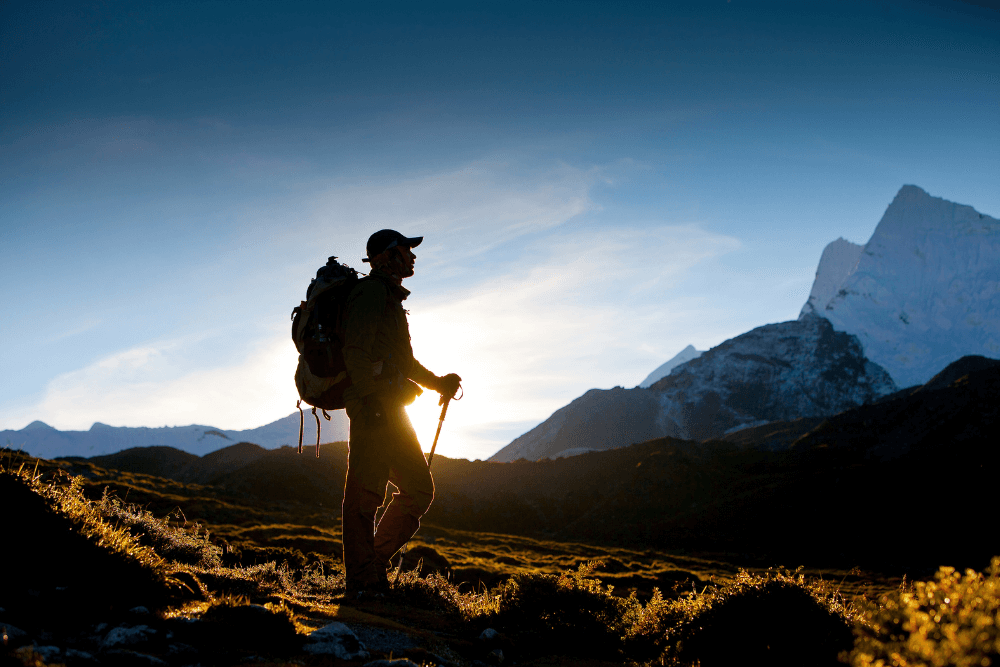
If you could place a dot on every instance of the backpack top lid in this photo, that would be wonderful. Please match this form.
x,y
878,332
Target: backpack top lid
x,y
332,273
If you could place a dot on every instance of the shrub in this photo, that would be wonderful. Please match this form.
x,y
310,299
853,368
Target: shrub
x,y
433,592
952,620
571,611
777,618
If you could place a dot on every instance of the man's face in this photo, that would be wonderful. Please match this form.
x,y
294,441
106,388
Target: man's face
x,y
407,260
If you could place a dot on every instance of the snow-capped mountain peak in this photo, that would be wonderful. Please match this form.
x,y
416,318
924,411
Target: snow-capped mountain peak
x,y
925,290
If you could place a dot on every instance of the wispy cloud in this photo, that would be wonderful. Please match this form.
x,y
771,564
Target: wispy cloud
x,y
530,340
461,213
149,385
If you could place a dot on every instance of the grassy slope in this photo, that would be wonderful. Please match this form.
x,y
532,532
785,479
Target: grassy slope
x,y
549,603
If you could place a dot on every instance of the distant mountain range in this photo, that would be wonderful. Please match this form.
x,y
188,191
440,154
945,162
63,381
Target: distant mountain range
x,y
40,439
923,292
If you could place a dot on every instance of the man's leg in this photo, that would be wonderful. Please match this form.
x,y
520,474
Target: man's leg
x,y
366,474
409,473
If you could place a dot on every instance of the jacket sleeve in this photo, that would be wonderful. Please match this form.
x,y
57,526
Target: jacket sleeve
x,y
422,376
365,306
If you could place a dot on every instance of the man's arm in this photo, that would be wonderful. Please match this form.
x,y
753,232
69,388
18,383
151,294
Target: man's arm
x,y
422,376
445,385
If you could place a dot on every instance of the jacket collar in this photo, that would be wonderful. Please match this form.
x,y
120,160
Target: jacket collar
x,y
397,290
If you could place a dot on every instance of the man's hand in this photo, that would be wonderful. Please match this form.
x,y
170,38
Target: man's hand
x,y
447,386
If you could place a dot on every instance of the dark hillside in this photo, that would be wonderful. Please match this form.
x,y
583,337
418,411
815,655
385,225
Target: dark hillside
x,y
284,475
222,461
958,370
956,412
775,435
162,461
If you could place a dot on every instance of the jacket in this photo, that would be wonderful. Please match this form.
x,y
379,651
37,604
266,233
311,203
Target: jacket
x,y
377,347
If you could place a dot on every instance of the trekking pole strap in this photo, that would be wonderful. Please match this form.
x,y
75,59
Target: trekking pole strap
x,y
302,423
317,431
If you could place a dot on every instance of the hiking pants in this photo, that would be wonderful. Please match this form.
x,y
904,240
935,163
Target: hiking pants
x,y
382,451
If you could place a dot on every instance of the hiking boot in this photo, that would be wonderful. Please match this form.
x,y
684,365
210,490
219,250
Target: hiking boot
x,y
368,590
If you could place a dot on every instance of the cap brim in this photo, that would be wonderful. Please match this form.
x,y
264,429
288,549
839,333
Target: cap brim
x,y
413,243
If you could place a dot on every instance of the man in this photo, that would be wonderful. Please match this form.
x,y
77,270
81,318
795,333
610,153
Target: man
x,y
383,446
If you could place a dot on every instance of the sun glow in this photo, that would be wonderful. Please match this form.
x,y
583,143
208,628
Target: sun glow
x,y
451,340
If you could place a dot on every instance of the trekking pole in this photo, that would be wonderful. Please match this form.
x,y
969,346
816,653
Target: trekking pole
x,y
437,434
430,457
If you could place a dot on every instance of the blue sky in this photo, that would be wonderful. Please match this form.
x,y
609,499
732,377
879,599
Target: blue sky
x,y
598,184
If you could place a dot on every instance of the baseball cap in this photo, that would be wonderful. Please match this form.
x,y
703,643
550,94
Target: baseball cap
x,y
384,239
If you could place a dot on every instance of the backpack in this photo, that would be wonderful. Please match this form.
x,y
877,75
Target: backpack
x,y
318,333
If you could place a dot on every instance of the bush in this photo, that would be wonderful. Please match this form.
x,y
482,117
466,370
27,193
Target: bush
x,y
572,612
777,618
952,620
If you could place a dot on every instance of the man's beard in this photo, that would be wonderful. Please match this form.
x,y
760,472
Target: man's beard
x,y
399,266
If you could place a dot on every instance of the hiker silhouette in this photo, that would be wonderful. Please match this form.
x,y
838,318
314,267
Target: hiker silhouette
x,y
383,445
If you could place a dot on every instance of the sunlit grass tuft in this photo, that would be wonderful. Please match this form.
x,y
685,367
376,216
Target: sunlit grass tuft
x,y
180,544
952,620
93,522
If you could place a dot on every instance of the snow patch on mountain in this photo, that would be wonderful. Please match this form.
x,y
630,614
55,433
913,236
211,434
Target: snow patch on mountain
x,y
925,290
682,357
838,261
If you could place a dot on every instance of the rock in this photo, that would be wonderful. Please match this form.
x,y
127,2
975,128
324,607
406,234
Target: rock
x,y
383,640
489,634
14,637
75,656
338,640
122,636
139,611
401,662
495,657
182,650
124,657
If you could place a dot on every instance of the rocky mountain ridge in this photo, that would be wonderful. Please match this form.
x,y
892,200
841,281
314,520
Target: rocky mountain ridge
x,y
780,371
